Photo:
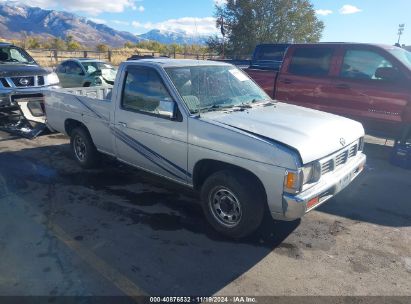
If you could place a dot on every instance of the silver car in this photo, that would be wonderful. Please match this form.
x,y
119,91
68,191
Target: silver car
x,y
85,72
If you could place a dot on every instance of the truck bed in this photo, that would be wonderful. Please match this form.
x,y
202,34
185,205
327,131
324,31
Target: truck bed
x,y
91,106
102,93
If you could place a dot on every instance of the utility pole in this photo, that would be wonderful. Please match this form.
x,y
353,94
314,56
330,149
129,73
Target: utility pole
x,y
223,34
400,30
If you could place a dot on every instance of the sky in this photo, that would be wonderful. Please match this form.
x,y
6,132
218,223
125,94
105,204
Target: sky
x,y
374,21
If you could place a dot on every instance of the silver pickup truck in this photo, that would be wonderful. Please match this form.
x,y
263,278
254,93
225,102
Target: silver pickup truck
x,y
208,126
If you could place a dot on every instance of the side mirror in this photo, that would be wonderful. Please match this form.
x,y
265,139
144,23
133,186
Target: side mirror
x,y
167,108
81,73
387,73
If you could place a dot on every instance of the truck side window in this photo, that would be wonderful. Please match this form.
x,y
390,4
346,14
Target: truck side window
x,y
270,52
311,61
362,64
143,90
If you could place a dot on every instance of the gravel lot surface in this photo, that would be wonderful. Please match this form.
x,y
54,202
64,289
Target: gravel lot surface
x,y
117,230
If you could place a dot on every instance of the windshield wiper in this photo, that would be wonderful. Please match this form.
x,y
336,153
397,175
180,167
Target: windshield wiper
x,y
264,102
213,108
244,106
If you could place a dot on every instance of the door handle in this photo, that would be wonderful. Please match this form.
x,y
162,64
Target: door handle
x,y
342,86
122,124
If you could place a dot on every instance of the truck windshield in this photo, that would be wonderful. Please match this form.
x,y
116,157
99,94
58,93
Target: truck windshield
x,y
402,55
14,54
215,87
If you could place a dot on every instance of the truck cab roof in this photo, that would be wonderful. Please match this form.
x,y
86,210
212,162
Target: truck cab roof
x,y
167,62
380,45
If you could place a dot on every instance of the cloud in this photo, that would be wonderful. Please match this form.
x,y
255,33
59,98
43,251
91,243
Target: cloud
x,y
349,9
92,7
323,12
141,8
190,25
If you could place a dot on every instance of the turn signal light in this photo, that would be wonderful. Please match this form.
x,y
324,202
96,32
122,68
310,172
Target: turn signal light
x,y
291,180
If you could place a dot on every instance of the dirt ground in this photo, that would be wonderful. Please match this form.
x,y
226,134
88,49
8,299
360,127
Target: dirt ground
x,y
119,231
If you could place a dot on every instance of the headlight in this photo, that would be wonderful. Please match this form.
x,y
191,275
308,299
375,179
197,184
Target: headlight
x,y
51,79
295,180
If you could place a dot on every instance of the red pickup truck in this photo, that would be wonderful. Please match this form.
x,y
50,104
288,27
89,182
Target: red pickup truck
x,y
369,83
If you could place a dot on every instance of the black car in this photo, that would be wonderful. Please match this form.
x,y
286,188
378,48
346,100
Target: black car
x,y
20,74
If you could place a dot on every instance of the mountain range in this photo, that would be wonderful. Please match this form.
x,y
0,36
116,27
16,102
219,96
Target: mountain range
x,y
17,21
178,36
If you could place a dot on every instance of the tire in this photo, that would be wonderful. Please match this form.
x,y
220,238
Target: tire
x,y
87,84
83,149
222,193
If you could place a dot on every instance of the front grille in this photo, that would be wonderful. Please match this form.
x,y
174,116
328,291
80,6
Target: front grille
x,y
23,81
327,167
338,159
353,151
341,158
4,83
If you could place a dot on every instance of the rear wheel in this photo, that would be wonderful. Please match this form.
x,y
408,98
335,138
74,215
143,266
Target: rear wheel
x,y
83,148
233,203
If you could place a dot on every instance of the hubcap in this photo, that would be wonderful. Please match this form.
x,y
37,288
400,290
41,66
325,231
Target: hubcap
x,y
80,148
225,206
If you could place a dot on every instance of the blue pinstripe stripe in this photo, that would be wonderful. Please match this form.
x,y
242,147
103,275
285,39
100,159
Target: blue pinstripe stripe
x,y
145,151
138,147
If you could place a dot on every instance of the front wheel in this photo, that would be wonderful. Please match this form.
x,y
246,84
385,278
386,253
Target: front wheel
x,y
83,148
233,203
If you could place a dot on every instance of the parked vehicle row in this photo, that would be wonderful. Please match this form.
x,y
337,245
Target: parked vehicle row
x,y
23,82
208,126
369,83
19,73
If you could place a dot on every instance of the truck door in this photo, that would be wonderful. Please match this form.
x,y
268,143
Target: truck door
x,y
305,76
361,90
145,137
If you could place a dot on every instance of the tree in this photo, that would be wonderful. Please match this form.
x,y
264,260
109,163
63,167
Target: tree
x,y
215,44
102,47
174,48
129,45
250,22
57,44
32,43
73,46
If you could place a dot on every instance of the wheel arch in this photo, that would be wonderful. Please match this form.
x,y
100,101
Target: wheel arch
x,y
205,167
71,124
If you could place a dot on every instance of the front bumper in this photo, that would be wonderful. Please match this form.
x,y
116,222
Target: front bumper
x,y
295,206
6,93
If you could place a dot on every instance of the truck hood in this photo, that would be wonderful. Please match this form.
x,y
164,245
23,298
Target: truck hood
x,y
15,70
314,134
